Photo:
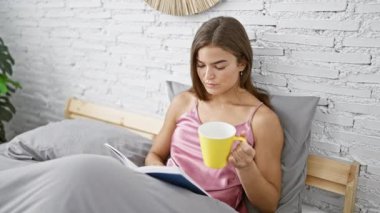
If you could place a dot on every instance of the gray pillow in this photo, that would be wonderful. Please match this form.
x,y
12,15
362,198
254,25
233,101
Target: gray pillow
x,y
78,136
296,115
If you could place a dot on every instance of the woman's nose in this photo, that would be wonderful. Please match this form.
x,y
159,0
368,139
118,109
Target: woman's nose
x,y
209,73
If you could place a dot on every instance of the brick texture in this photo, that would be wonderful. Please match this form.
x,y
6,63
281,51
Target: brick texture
x,y
120,53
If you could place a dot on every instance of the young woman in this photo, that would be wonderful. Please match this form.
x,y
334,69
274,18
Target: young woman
x,y
222,90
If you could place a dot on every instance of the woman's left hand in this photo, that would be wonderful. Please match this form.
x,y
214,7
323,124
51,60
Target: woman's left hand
x,y
242,156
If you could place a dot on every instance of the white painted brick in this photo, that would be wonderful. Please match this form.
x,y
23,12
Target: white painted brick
x,y
94,14
299,39
364,155
117,29
83,3
303,70
256,64
135,18
51,4
256,20
330,147
332,89
366,109
59,13
30,13
323,101
353,137
365,78
367,8
376,93
181,68
180,77
123,71
173,30
167,56
24,22
181,43
31,41
269,79
373,169
138,39
275,90
53,22
127,49
361,42
64,33
89,45
310,6
317,129
368,124
32,31
351,58
98,74
157,75
377,62
96,36
235,5
319,24
261,51
87,24
21,5
334,119
120,5
375,25
131,60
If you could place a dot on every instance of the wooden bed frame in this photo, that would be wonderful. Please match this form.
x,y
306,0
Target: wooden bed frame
x,y
324,173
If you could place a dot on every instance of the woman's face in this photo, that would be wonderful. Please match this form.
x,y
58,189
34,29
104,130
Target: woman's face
x,y
218,70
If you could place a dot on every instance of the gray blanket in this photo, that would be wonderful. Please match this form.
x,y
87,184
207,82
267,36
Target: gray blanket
x,y
91,183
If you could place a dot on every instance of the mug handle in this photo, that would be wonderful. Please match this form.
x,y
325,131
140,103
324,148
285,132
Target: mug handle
x,y
240,139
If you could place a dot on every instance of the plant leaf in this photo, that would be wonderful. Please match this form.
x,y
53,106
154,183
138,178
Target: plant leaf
x,y
3,84
5,114
6,103
2,133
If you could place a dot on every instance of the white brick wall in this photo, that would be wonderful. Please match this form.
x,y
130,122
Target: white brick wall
x,y
120,53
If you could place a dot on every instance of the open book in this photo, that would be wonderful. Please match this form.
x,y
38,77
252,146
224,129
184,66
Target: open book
x,y
173,175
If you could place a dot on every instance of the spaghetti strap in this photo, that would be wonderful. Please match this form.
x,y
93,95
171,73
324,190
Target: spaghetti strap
x,y
254,111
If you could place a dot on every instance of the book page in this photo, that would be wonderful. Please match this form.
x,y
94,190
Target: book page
x,y
121,157
173,175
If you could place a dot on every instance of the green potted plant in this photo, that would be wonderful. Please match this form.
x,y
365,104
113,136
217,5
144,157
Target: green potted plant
x,y
7,88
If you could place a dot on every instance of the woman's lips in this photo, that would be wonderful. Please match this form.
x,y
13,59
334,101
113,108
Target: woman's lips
x,y
210,85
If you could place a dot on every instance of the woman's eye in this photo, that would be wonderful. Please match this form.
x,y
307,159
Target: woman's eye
x,y
220,68
200,65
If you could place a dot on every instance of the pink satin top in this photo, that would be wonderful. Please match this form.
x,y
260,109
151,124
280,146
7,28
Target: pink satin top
x,y
222,184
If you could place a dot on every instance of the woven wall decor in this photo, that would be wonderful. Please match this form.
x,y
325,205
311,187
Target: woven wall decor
x,y
181,7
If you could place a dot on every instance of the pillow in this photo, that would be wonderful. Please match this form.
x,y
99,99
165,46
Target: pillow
x,y
69,137
296,115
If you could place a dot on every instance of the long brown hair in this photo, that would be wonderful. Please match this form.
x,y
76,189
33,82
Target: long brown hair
x,y
230,35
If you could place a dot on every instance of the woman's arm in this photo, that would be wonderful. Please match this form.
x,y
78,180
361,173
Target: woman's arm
x,y
160,150
259,169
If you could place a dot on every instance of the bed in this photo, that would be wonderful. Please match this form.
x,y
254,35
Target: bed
x,y
64,166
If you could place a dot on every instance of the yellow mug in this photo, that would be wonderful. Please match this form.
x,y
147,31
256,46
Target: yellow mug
x,y
216,140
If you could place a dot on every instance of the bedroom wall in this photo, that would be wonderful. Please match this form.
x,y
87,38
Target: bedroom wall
x,y
120,52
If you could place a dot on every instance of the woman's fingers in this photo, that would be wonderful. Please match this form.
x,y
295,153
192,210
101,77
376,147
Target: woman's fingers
x,y
242,155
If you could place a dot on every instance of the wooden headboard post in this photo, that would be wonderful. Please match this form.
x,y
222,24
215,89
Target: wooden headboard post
x,y
143,125
335,176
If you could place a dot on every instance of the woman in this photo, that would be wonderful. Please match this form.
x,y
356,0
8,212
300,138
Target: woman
x,y
221,63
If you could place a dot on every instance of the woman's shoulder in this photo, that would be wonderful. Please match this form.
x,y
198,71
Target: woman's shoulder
x,y
184,98
183,102
265,117
267,127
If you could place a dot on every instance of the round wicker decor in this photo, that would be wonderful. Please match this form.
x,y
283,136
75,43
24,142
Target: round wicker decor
x,y
181,7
